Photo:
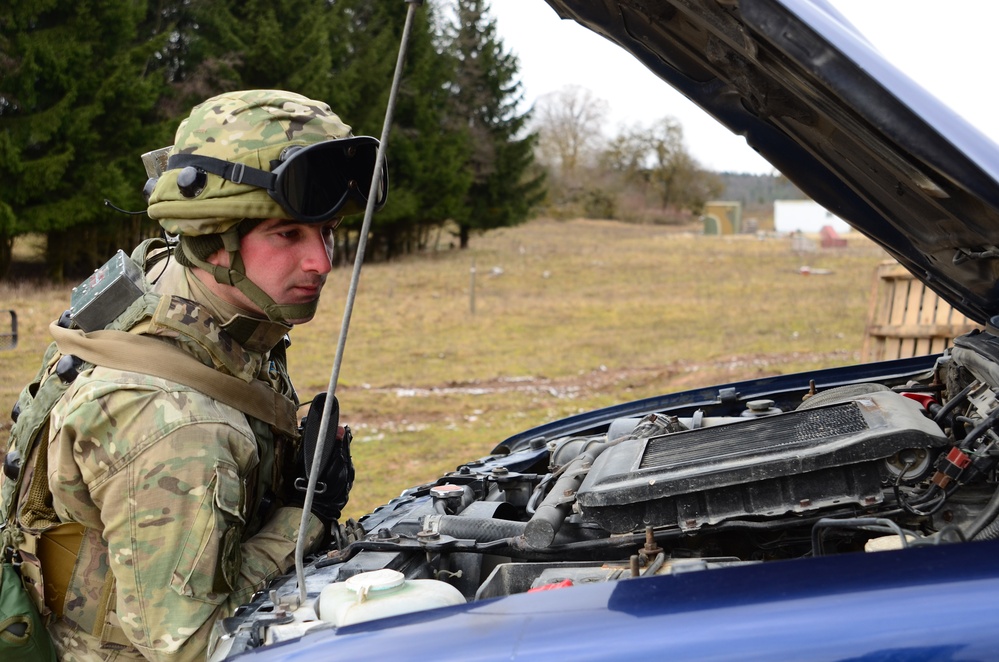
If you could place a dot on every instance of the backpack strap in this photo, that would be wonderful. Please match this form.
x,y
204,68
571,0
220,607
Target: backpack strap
x,y
121,350
30,430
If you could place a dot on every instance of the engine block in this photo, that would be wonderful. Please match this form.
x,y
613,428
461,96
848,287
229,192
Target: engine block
x,y
798,461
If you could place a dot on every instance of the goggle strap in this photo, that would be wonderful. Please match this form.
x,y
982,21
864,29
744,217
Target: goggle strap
x,y
235,277
275,312
222,275
236,271
237,173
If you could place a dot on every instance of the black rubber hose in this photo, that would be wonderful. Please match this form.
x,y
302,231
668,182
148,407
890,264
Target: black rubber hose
x,y
479,529
990,532
548,518
944,411
987,423
539,532
986,525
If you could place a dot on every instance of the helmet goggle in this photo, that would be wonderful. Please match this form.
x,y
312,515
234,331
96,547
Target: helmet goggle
x,y
312,183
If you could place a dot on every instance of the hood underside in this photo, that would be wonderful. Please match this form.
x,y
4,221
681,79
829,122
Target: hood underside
x,y
814,98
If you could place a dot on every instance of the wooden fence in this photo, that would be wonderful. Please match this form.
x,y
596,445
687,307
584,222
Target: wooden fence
x,y
906,318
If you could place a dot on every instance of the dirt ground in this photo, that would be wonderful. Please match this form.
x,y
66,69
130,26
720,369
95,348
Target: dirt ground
x,y
670,378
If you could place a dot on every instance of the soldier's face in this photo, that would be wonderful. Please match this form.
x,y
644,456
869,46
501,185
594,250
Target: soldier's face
x,y
289,261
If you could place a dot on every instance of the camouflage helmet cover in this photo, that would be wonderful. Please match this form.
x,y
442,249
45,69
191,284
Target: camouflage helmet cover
x,y
251,127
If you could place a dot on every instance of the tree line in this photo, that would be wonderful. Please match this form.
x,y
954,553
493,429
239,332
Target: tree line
x,y
87,87
638,173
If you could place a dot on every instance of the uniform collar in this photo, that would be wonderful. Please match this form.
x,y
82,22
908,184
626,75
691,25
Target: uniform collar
x,y
253,333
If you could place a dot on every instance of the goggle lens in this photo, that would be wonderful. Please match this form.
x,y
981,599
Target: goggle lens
x,y
329,178
312,184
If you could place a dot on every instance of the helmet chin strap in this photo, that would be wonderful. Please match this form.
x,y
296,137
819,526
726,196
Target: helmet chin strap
x,y
235,276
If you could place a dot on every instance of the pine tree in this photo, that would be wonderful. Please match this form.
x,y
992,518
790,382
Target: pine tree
x,y
345,53
426,159
74,105
283,44
485,95
87,88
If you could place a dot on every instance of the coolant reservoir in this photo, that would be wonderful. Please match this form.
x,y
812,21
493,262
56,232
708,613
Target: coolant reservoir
x,y
382,593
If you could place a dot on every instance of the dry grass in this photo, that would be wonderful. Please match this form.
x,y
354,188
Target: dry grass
x,y
569,316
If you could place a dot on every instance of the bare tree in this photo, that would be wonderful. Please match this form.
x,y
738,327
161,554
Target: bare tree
x,y
627,154
655,159
670,161
570,124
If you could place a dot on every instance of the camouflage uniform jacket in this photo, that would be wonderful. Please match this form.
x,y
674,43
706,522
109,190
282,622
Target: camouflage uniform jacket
x,y
167,483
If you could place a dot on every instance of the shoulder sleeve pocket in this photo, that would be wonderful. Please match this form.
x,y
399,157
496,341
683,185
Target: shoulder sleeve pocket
x,y
210,560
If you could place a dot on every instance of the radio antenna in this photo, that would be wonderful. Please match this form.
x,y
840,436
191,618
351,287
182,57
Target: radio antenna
x,y
349,304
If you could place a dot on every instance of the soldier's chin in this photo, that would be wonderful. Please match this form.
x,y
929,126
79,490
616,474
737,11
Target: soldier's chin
x,y
300,320
308,317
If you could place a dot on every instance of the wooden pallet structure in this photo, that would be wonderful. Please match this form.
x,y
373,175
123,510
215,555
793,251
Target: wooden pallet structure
x,y
906,318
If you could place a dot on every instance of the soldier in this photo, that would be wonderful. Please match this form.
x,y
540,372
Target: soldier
x,y
176,497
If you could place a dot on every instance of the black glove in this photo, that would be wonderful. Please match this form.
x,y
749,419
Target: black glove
x,y
336,470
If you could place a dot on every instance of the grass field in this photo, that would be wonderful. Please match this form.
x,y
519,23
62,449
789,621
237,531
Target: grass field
x,y
568,316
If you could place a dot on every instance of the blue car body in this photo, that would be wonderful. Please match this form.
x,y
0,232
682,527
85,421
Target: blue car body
x,y
929,604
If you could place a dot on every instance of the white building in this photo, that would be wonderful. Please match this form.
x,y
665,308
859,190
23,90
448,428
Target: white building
x,y
806,216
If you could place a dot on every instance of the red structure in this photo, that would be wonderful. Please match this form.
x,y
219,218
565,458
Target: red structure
x,y
830,238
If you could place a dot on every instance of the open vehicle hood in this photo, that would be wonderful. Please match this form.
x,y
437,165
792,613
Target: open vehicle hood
x,y
814,98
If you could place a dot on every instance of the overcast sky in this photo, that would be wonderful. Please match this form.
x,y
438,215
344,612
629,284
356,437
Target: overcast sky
x,y
948,46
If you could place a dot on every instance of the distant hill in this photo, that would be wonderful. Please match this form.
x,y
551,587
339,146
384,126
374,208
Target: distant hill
x,y
758,192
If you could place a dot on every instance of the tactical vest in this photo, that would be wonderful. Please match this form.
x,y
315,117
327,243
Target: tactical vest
x,y
47,547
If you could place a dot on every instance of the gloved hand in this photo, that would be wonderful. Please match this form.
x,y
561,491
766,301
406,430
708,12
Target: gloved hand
x,y
336,470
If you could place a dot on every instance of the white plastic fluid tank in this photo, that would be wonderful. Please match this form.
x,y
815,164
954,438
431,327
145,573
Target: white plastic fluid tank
x,y
381,593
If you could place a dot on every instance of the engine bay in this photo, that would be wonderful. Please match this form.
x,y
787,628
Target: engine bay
x,y
751,475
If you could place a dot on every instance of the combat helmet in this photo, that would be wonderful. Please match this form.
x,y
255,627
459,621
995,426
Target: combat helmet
x,y
242,157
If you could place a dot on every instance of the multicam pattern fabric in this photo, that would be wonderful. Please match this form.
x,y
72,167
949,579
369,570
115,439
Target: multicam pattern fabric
x,y
168,483
251,127
181,318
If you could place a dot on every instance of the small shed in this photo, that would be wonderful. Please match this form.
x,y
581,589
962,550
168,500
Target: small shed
x,y
722,217
830,238
805,216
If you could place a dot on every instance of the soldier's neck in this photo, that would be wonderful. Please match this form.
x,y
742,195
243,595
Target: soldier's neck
x,y
253,333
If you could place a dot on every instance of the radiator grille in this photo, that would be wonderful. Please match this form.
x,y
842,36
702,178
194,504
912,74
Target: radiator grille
x,y
797,428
